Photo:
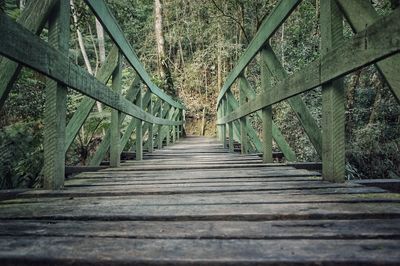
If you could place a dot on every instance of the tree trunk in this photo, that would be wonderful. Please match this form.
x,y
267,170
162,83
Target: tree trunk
x,y
163,65
100,39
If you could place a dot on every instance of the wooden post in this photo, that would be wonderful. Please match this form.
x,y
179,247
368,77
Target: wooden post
x,y
230,125
174,132
139,129
160,139
115,127
151,134
169,130
223,131
333,97
178,135
219,133
266,112
242,100
56,103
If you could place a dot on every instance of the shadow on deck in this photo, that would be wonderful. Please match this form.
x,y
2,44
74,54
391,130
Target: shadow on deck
x,y
194,203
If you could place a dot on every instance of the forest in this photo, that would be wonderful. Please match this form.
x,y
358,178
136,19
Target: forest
x,y
189,48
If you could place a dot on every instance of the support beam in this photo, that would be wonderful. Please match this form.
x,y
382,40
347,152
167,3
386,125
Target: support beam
x,y
56,103
276,133
105,143
243,120
39,55
296,103
9,70
354,55
115,128
139,130
150,142
86,105
266,111
333,98
224,105
359,14
230,125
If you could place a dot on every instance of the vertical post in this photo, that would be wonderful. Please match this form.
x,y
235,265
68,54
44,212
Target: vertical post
x,y
139,129
174,132
115,126
178,134
219,134
169,130
160,128
333,97
266,113
151,133
56,103
223,129
230,124
242,100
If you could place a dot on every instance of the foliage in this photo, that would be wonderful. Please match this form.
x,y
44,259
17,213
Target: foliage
x,y
21,155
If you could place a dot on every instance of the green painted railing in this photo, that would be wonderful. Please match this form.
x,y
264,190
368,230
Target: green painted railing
x,y
376,41
22,46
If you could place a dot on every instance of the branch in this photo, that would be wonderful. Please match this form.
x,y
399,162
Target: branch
x,y
232,18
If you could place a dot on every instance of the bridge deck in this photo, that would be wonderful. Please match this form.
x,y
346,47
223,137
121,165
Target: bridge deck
x,y
194,203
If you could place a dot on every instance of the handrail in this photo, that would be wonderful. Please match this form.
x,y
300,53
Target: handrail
x,y
107,19
376,41
266,30
354,53
39,55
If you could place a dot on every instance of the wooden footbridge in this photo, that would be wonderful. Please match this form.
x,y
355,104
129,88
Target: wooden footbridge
x,y
194,200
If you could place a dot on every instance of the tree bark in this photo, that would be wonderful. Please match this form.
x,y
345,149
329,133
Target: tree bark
x,y
100,39
163,65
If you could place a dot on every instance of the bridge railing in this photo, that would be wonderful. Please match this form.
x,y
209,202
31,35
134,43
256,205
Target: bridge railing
x,y
159,116
376,41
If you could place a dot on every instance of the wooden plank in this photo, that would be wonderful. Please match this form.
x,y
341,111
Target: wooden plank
x,y
266,114
9,70
125,251
106,18
333,98
116,121
354,55
208,212
37,54
301,229
267,28
359,14
56,104
296,103
86,105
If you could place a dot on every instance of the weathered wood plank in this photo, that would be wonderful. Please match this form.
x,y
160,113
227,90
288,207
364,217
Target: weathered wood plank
x,y
116,121
266,114
106,18
333,98
300,229
354,54
56,103
125,251
359,14
33,18
37,54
